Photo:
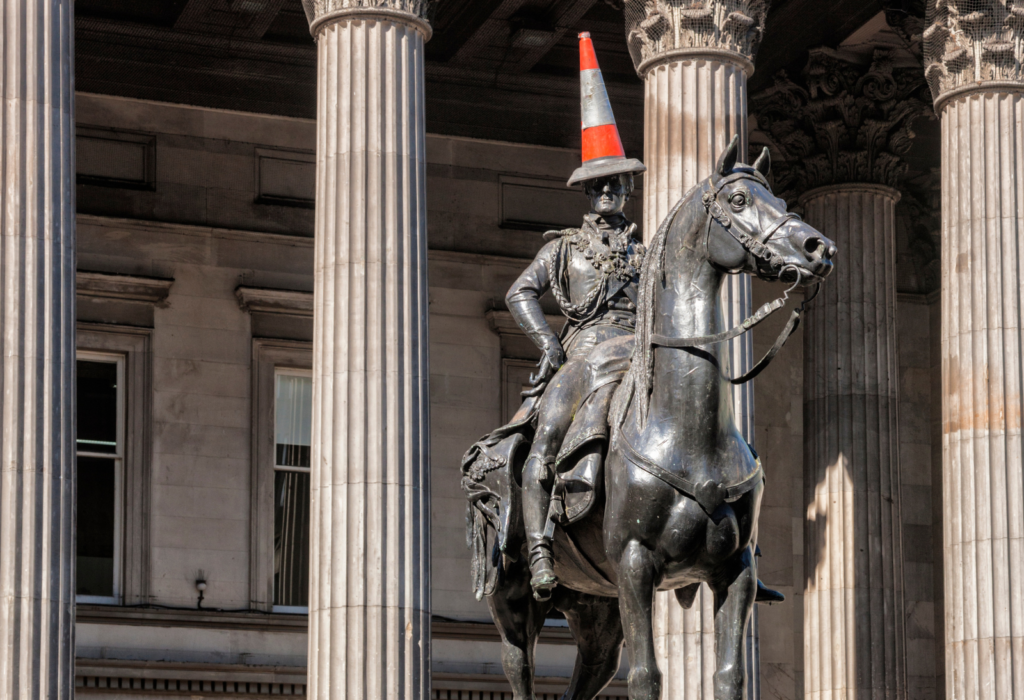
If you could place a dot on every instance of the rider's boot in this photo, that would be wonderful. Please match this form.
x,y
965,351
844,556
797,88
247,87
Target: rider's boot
x,y
536,502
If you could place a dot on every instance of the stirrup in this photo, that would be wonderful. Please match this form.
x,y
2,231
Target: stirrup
x,y
543,583
543,580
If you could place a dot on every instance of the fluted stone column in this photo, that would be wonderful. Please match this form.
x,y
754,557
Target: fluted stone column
x,y
369,603
974,66
695,62
37,295
839,139
854,644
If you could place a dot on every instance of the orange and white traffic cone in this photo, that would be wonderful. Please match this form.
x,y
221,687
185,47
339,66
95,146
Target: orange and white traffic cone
x,y
603,154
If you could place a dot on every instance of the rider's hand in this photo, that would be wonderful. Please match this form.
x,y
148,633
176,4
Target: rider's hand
x,y
554,353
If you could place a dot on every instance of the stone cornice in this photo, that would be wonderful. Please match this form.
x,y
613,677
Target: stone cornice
x,y
973,43
848,123
105,285
662,30
275,301
416,13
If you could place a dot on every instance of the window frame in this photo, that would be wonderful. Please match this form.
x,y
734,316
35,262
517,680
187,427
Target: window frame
x,y
269,357
118,458
280,371
132,551
511,390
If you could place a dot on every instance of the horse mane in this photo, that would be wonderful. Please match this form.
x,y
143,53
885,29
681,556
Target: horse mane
x,y
638,382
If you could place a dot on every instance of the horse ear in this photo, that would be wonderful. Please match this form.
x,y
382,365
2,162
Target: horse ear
x,y
763,164
727,161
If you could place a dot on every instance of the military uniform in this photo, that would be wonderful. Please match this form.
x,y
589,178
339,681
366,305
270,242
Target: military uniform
x,y
593,273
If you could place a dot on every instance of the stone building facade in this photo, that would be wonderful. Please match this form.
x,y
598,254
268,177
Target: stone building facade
x,y
265,244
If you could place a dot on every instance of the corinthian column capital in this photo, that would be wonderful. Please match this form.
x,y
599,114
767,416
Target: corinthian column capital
x,y
665,30
415,12
847,122
973,44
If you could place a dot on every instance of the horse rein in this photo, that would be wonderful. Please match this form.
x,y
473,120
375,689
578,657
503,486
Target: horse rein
x,y
757,247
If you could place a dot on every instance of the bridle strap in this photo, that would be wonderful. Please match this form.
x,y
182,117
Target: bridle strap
x,y
755,245
757,248
734,332
764,312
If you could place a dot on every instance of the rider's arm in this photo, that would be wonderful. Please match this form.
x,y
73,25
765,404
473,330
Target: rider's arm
x,y
523,301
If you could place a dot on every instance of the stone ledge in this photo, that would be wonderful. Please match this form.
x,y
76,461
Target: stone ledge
x,y
163,617
280,622
104,285
487,632
275,301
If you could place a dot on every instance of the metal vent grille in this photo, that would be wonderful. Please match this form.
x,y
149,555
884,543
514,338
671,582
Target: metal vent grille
x,y
969,41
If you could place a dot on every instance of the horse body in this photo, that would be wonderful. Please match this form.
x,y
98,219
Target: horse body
x,y
673,411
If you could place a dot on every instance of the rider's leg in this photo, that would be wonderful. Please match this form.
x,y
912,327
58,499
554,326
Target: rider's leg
x,y
538,478
553,420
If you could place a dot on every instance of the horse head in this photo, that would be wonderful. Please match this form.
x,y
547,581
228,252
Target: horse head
x,y
750,230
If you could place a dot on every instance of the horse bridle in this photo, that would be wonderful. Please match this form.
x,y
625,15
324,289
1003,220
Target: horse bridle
x,y
766,261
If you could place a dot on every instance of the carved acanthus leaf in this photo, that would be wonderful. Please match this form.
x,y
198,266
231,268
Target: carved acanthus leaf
x,y
318,8
848,123
658,27
968,42
906,19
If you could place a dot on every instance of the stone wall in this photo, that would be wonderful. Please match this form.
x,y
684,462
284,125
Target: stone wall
x,y
173,192
217,200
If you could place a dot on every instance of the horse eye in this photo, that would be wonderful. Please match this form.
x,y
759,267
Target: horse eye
x,y
737,200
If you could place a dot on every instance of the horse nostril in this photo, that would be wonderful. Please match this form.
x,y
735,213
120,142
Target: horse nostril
x,y
814,246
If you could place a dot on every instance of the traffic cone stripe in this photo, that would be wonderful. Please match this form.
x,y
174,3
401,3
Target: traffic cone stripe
x,y
602,142
596,107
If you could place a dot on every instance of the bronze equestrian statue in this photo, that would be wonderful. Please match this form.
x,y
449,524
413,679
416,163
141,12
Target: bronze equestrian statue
x,y
624,473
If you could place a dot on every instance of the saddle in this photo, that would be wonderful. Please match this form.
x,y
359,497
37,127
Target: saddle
x,y
492,468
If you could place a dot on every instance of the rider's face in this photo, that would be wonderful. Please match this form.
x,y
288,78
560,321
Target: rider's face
x,y
607,195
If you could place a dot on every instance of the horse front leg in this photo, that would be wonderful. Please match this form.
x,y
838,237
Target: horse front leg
x,y
734,601
636,604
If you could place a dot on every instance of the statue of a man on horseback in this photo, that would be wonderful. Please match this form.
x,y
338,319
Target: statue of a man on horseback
x,y
623,472
593,273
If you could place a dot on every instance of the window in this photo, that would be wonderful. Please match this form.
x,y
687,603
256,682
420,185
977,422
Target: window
x,y
293,428
100,456
113,450
282,431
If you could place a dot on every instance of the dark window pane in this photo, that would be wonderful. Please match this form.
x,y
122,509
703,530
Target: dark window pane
x,y
96,526
293,455
97,406
291,538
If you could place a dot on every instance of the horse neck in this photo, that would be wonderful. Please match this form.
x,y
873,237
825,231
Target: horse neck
x,y
688,304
